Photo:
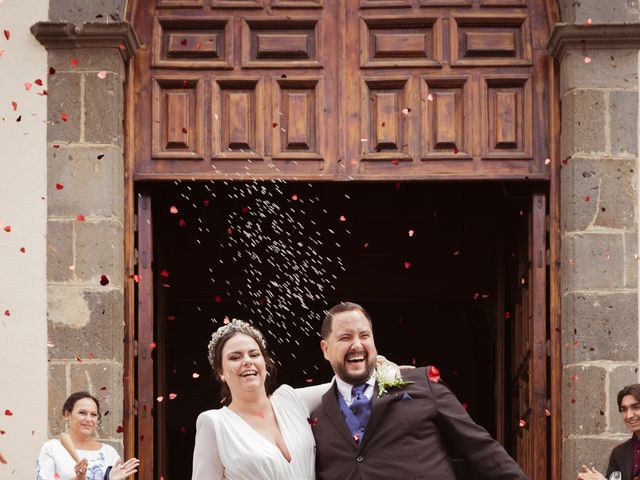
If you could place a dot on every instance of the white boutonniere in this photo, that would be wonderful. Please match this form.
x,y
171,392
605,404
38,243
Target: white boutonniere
x,y
388,376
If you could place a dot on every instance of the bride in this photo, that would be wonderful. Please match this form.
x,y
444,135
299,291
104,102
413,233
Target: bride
x,y
255,436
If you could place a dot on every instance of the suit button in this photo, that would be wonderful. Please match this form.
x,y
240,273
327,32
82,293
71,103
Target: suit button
x,y
359,459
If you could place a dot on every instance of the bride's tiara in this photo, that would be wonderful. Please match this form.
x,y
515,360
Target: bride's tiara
x,y
238,326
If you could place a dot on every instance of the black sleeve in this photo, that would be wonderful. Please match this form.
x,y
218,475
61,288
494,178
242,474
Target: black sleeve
x,y
484,454
613,464
106,474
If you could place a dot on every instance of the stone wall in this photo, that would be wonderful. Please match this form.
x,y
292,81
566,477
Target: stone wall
x,y
85,232
599,224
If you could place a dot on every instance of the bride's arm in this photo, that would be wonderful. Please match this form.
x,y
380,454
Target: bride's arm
x,y
206,458
312,396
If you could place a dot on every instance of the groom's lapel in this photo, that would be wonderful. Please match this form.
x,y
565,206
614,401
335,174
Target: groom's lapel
x,y
331,408
378,407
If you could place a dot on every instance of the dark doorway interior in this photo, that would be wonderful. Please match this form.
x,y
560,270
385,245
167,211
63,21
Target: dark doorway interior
x,y
434,263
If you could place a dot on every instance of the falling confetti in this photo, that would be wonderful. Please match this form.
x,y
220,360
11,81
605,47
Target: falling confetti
x,y
173,209
433,374
587,198
160,398
164,273
312,421
7,313
3,460
102,74
38,82
195,375
588,22
407,264
59,186
8,413
80,218
27,86
411,233
74,62
547,161
52,71
587,59
172,396
14,105
7,228
406,111
7,34
120,429
64,116
104,281
522,423
23,250
430,97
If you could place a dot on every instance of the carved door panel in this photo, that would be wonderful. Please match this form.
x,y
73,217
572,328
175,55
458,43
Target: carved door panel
x,y
237,88
445,87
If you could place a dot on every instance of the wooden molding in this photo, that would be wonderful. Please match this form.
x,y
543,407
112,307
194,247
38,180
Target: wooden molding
x,y
120,35
567,36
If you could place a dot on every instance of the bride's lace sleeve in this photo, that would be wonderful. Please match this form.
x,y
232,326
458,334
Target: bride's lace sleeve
x,y
311,397
206,459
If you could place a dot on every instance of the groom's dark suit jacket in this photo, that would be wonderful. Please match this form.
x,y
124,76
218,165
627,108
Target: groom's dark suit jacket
x,y
406,437
621,460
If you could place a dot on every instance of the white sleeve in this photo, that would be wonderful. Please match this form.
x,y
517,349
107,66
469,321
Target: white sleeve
x,y
206,458
46,465
311,397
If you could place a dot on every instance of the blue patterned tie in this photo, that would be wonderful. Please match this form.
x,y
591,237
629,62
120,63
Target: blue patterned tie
x,y
360,406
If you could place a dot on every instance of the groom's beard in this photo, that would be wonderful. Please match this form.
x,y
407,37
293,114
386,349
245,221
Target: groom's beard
x,y
341,370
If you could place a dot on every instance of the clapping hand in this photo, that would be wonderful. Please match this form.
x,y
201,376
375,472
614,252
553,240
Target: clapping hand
x,y
81,469
120,470
587,473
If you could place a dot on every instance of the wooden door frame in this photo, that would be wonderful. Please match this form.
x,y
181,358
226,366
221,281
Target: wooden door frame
x,y
130,407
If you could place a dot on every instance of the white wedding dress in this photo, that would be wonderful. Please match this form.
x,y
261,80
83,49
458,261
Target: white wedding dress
x,y
228,448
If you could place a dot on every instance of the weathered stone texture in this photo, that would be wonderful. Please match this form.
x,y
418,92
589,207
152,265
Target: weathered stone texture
x,y
604,325
100,251
104,381
59,250
619,378
64,99
623,122
583,122
57,395
590,451
80,11
103,109
92,178
584,400
631,260
599,11
592,261
88,60
598,193
86,323
607,69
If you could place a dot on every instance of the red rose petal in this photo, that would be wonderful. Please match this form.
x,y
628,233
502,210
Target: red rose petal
x,y
164,273
104,280
23,250
14,105
74,62
152,346
64,116
587,198
206,203
312,421
343,218
522,423
294,197
7,228
7,34
172,396
183,42
309,380
433,374
120,429
59,186
395,161
184,130
7,313
52,71
274,124
171,318
407,264
182,222
173,209
3,460
27,86
547,412
38,82
218,299
229,231
8,412
102,74
507,315
91,355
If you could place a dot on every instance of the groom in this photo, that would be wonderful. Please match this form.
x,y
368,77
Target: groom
x,y
401,434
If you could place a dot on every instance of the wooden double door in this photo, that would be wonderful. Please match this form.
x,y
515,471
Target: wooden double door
x,y
344,90
349,89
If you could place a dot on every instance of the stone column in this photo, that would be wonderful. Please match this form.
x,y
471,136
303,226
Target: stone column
x,y
85,234
598,56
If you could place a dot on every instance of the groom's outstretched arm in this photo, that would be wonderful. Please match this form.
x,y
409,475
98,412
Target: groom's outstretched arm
x,y
483,453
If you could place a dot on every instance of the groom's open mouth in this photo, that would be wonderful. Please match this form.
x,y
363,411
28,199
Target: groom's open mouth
x,y
356,358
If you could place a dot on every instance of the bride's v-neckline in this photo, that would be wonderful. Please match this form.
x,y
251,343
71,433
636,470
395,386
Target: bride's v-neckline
x,y
258,434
